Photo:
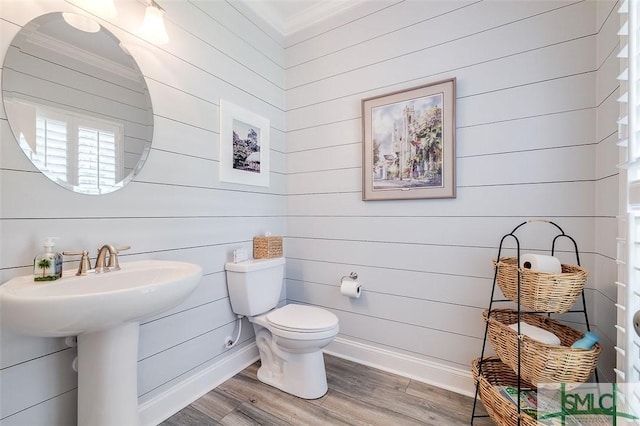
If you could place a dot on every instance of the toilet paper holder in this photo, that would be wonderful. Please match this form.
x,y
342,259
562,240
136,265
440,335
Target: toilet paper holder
x,y
352,276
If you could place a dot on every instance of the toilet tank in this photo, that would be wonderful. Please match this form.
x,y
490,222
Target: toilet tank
x,y
255,285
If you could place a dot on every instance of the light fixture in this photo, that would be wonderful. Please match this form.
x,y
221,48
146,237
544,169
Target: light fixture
x,y
105,9
153,25
81,22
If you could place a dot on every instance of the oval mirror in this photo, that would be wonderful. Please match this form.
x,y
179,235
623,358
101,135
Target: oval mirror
x,y
77,103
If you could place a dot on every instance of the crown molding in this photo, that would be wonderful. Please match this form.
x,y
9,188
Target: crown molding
x,y
307,17
320,11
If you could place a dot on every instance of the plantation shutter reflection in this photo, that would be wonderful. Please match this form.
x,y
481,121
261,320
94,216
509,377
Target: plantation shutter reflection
x,y
51,146
87,152
97,159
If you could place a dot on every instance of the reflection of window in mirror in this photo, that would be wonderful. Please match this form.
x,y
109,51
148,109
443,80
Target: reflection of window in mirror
x,y
85,151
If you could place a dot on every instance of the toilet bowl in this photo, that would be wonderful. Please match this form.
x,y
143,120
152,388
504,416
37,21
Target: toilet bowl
x,y
289,338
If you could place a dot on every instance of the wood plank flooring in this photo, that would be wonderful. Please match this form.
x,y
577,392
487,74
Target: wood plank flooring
x,y
358,395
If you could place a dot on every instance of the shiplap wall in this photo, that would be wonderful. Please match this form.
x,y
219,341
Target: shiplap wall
x,y
176,208
530,90
608,69
533,140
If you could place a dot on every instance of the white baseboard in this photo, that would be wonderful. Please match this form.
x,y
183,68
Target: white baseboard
x,y
166,404
443,376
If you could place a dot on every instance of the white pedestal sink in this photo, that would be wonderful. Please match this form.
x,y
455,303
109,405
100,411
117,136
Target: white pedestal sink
x,y
104,310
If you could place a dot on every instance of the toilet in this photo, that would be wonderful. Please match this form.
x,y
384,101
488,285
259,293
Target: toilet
x,y
290,338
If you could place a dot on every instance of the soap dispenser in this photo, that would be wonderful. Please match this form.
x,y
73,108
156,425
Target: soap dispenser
x,y
47,266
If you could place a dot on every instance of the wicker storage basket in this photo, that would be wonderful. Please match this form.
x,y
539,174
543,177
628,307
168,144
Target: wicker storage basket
x,y
502,411
267,247
540,291
539,362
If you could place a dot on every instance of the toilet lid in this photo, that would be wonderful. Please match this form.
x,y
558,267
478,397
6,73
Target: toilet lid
x,y
302,318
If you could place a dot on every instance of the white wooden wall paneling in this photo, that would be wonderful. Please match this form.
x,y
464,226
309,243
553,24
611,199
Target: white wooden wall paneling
x,y
472,170
192,140
202,83
227,15
211,30
606,187
201,55
349,107
551,165
485,46
420,227
453,318
196,221
441,346
212,287
442,288
184,107
200,80
389,20
605,154
538,132
606,86
347,16
427,40
461,273
31,382
168,168
16,348
401,19
136,200
143,234
199,352
59,411
562,129
468,261
473,201
323,136
536,99
349,180
173,330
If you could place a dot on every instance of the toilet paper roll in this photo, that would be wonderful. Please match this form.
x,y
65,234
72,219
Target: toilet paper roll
x,y
540,263
350,288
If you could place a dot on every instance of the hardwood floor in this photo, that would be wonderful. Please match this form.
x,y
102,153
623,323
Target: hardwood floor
x,y
358,395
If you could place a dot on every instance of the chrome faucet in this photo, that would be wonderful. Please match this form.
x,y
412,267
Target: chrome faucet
x,y
113,258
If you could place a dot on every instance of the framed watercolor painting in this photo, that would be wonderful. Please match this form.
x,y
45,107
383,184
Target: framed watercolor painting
x,y
409,143
244,146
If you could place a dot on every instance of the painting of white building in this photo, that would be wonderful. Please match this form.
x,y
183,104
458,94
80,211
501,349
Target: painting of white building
x,y
407,143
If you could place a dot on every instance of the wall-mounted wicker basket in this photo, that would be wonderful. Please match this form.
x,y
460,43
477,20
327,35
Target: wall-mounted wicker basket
x,y
539,362
496,373
540,291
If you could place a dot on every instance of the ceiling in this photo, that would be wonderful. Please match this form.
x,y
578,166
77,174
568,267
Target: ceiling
x,y
290,16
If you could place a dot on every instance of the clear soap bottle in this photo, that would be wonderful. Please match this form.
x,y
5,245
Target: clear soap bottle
x,y
47,266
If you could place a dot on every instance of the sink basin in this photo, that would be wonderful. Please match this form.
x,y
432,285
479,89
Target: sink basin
x,y
74,305
104,311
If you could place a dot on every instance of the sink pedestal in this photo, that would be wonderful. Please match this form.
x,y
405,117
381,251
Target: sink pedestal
x,y
108,377
104,311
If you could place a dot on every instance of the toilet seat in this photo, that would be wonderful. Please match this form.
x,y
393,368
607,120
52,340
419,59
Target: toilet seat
x,y
302,319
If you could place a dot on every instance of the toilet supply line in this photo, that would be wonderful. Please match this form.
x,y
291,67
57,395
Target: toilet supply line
x,y
228,343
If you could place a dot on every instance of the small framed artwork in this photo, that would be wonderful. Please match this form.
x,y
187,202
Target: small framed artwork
x,y
244,146
409,143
